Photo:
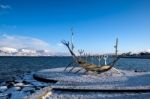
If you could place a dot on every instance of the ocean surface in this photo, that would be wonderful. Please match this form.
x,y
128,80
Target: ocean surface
x,y
12,66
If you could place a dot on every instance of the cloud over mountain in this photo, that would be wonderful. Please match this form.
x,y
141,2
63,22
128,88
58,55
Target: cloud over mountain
x,y
19,42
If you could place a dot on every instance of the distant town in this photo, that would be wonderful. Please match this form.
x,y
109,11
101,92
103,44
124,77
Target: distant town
x,y
142,54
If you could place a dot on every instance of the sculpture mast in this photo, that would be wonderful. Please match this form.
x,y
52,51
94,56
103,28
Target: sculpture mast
x,y
116,47
72,46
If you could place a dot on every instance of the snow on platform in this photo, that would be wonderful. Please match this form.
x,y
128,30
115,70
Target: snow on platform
x,y
110,80
98,95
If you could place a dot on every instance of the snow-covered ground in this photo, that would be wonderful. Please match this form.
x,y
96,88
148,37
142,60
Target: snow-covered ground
x,y
25,86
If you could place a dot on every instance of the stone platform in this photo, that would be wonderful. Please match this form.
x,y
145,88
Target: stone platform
x,y
111,81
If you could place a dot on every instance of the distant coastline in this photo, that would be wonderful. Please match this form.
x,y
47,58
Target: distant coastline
x,y
142,55
139,57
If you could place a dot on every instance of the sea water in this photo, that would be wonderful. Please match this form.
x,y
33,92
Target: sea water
x,y
12,66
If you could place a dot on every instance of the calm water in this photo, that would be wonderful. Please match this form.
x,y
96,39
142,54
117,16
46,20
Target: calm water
x,y
11,66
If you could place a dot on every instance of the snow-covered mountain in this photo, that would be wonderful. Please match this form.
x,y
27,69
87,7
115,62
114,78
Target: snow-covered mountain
x,y
8,51
26,52
147,50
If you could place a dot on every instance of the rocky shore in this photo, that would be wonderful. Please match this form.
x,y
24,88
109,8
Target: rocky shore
x,y
20,87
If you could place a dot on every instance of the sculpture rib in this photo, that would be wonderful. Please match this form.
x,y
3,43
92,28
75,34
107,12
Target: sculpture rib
x,y
86,65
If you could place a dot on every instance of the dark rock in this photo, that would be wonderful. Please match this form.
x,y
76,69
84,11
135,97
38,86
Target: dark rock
x,y
28,72
135,71
11,84
37,88
9,96
139,71
25,82
32,91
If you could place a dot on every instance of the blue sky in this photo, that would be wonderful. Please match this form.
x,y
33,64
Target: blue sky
x,y
96,24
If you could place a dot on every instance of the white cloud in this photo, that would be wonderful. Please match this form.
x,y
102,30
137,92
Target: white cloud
x,y
5,9
60,44
5,6
18,42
